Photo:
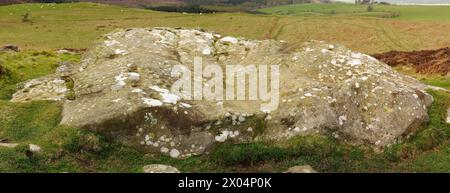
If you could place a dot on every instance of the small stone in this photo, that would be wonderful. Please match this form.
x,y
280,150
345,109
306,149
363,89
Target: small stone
x,y
164,149
159,168
134,76
241,118
35,148
9,145
174,153
301,169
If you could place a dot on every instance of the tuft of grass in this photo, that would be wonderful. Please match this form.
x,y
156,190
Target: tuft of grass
x,y
248,154
322,152
26,121
370,8
26,18
70,85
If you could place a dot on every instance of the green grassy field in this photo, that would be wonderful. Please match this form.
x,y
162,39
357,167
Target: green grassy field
x,y
56,26
405,12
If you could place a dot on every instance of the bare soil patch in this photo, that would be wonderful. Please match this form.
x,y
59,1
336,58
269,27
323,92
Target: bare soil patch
x,y
424,61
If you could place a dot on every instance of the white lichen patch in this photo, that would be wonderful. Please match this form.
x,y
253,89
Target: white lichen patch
x,y
152,102
120,82
138,90
133,76
149,118
223,136
342,119
111,42
185,105
229,39
120,52
355,62
167,97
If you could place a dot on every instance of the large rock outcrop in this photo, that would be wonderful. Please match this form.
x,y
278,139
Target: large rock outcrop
x,y
122,89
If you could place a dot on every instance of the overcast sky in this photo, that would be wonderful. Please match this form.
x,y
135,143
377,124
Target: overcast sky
x,y
410,1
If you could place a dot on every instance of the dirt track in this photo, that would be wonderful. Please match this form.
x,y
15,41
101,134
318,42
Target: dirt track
x,y
424,61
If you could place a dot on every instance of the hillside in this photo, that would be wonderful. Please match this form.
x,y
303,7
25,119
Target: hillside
x,y
60,27
140,3
130,3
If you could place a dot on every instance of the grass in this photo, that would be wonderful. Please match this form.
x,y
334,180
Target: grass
x,y
430,79
66,149
402,12
28,120
78,25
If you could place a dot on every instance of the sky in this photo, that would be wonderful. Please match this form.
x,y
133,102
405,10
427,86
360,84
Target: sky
x,y
410,1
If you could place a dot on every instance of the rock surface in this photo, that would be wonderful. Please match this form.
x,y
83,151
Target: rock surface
x,y
122,89
45,88
159,168
301,169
